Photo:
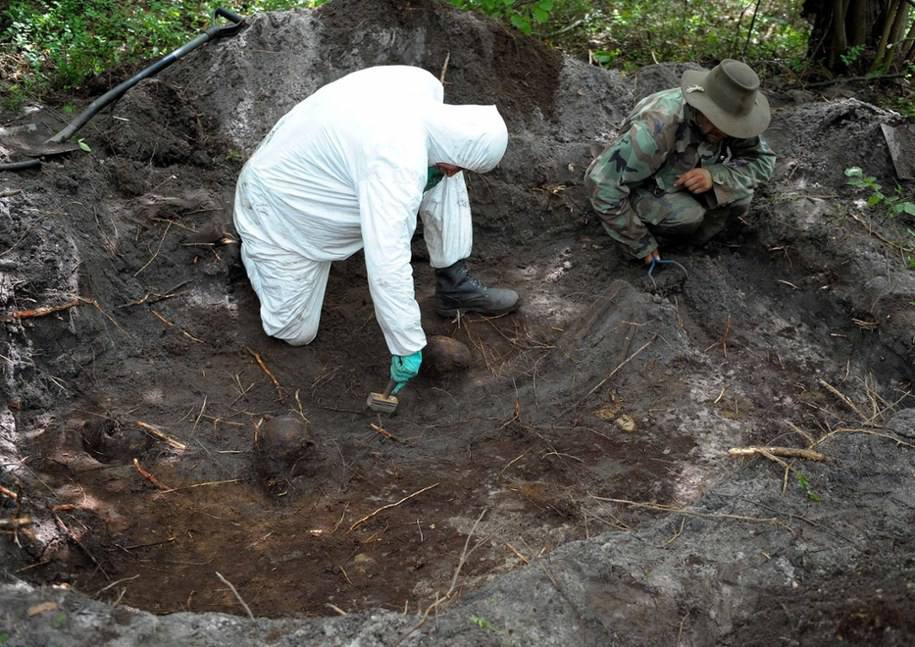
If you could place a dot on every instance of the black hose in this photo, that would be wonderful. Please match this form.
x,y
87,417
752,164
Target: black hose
x,y
20,166
117,91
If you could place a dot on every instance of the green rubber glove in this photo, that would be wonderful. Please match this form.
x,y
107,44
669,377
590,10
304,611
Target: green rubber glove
x,y
404,368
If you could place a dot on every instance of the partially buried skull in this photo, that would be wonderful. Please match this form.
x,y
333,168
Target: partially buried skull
x,y
283,449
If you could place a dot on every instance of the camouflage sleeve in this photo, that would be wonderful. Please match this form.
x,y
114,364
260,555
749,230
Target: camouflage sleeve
x,y
751,163
632,159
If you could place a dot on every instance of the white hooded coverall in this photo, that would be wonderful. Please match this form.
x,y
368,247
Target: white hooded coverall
x,y
346,169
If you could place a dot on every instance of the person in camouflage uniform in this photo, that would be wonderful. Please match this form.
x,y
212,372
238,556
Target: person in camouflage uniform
x,y
687,159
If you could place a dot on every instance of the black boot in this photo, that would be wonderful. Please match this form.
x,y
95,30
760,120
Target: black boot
x,y
456,291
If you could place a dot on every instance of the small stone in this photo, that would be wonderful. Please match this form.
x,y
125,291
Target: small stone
x,y
567,265
626,423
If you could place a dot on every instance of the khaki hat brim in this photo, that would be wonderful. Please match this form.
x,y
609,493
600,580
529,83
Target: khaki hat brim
x,y
750,125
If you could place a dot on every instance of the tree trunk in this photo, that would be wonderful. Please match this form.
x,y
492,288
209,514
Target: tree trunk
x,y
874,26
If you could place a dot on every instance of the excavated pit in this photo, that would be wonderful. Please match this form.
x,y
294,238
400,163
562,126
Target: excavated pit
x,y
572,486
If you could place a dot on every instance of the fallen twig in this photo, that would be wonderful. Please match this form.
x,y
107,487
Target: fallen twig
x,y
235,592
8,493
784,452
72,536
845,399
116,582
457,571
142,471
517,553
266,369
606,379
159,435
196,485
154,297
13,523
723,342
378,429
171,324
441,77
869,432
693,513
158,249
390,505
878,236
43,310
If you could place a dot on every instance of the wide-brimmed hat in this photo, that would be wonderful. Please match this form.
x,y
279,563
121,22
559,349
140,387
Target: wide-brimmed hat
x,y
729,96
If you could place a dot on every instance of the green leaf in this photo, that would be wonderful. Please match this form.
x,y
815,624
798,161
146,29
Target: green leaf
x,y
481,622
905,207
546,5
540,15
854,171
83,146
521,23
875,198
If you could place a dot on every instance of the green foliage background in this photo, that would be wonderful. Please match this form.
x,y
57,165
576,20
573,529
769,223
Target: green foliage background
x,y
56,45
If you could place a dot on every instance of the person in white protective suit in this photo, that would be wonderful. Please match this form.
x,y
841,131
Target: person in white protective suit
x,y
348,168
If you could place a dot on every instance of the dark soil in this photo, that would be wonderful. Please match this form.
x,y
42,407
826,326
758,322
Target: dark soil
x,y
132,417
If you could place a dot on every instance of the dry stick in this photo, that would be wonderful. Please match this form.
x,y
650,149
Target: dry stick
x,y
441,77
723,342
785,452
75,539
8,493
845,400
235,592
606,379
142,471
517,553
154,297
196,485
806,436
14,523
153,257
869,432
692,513
171,324
390,505
115,583
43,310
276,383
378,429
879,237
200,415
450,592
158,435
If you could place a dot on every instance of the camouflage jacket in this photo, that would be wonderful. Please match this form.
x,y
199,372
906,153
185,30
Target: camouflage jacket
x,y
659,141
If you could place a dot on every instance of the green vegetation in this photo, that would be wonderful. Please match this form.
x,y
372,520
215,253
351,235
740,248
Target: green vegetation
x,y
632,33
481,622
804,484
51,46
895,204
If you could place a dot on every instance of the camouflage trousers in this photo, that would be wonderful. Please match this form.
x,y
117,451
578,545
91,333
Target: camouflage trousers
x,y
682,214
694,217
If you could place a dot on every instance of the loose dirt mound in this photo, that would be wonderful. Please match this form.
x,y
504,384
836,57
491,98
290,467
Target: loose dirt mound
x,y
572,486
